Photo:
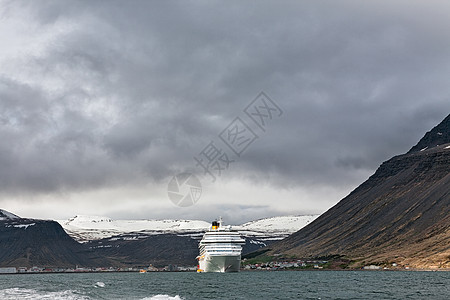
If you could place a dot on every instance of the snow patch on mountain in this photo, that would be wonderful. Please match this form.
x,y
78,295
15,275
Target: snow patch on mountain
x,y
275,228
24,226
6,215
285,223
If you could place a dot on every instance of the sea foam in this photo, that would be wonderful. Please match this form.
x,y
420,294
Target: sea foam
x,y
163,297
21,293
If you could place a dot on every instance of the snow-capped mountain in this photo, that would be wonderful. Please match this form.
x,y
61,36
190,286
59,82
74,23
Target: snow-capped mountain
x,y
88,228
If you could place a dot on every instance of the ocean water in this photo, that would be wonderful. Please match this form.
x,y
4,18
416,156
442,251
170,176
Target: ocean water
x,y
243,285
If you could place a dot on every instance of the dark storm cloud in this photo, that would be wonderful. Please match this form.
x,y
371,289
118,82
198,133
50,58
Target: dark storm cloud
x,y
124,92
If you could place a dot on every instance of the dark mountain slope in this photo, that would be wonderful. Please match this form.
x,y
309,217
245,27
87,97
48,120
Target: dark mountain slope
x,y
29,242
159,250
400,214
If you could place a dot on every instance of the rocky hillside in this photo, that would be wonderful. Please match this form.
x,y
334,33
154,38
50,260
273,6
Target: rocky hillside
x,y
400,214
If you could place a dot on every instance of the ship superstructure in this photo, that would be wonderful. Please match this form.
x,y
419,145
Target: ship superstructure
x,y
220,249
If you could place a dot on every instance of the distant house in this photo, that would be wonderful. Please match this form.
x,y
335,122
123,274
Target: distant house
x,y
372,267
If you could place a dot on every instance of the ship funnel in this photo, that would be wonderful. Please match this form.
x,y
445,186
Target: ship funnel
x,y
215,225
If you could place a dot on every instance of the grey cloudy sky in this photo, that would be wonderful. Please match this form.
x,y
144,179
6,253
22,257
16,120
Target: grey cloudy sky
x,y
102,102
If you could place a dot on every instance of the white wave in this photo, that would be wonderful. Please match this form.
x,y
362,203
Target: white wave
x,y
163,297
99,284
20,293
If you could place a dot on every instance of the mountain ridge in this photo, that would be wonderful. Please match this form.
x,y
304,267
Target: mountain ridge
x,y
439,135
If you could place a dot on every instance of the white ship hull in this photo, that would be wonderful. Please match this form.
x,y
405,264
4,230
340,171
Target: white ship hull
x,y
220,249
222,263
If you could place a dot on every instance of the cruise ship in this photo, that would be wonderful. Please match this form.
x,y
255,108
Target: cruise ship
x,y
220,249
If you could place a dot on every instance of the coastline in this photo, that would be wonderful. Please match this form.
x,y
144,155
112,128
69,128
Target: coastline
x,y
242,270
